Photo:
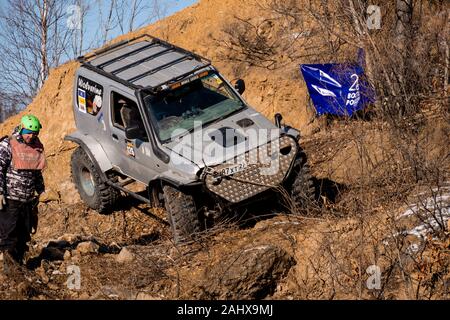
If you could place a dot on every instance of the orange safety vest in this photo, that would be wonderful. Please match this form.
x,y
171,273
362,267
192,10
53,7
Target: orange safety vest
x,y
27,157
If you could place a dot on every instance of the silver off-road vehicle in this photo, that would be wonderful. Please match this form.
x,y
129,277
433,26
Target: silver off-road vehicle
x,y
147,111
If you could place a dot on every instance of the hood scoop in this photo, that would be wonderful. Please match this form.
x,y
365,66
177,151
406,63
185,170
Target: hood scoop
x,y
227,137
245,123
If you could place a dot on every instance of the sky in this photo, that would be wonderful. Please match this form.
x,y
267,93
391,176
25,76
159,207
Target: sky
x,y
180,4
167,7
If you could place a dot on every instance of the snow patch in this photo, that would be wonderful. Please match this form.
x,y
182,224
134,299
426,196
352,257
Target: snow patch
x,y
433,212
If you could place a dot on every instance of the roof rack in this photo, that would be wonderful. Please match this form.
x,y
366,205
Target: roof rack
x,y
144,62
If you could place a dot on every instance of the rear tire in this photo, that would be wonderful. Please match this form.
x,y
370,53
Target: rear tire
x,y
89,183
181,213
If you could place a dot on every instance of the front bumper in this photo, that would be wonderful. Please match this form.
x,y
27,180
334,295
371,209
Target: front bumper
x,y
265,169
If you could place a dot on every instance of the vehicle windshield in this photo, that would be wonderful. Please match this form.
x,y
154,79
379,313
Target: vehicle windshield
x,y
201,101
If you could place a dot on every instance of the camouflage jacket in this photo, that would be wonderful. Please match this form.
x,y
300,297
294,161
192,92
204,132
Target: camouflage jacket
x,y
19,185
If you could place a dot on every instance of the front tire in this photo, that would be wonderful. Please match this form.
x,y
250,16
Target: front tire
x,y
181,213
300,187
89,183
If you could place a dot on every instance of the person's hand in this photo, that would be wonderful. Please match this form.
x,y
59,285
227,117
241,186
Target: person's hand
x,y
2,201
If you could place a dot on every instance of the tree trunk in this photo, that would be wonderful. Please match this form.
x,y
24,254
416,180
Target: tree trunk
x,y
44,11
133,15
404,11
108,23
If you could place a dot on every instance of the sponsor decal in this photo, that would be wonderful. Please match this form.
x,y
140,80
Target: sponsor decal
x,y
81,100
90,96
130,149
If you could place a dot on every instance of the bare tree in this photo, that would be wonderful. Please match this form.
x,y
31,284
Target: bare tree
x,y
34,38
404,12
107,20
133,14
110,18
9,105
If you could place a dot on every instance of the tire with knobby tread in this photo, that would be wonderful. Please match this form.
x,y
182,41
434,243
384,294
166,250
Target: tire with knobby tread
x,y
300,187
104,195
181,213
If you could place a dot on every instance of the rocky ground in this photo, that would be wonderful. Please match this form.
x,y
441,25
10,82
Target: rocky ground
x,y
262,252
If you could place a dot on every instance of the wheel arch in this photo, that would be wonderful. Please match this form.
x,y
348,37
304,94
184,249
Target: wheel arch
x,y
94,151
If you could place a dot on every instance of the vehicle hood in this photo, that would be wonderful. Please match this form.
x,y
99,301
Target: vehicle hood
x,y
222,141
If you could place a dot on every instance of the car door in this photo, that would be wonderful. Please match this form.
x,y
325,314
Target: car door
x,y
131,156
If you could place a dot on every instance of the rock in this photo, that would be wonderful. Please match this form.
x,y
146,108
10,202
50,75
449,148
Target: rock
x,y
76,256
61,244
67,255
84,296
125,256
114,247
110,292
53,287
49,196
42,274
45,265
62,268
145,296
52,254
24,288
69,238
88,247
45,279
252,273
69,193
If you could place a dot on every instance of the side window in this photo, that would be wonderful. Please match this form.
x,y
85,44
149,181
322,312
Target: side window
x,y
125,113
90,96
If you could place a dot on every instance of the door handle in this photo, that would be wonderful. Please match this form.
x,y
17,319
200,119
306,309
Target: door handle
x,y
115,137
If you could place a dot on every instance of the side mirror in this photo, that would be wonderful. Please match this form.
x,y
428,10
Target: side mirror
x,y
278,118
239,85
133,132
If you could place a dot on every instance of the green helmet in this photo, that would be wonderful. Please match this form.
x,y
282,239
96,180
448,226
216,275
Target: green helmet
x,y
30,122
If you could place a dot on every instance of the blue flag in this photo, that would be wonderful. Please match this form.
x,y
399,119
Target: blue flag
x,y
338,89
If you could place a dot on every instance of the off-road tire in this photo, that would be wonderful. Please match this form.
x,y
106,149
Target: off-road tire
x,y
100,196
301,190
181,213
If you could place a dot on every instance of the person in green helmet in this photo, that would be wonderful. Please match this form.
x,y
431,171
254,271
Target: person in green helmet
x,y
22,160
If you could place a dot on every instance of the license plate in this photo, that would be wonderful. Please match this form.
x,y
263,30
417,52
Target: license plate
x,y
233,169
